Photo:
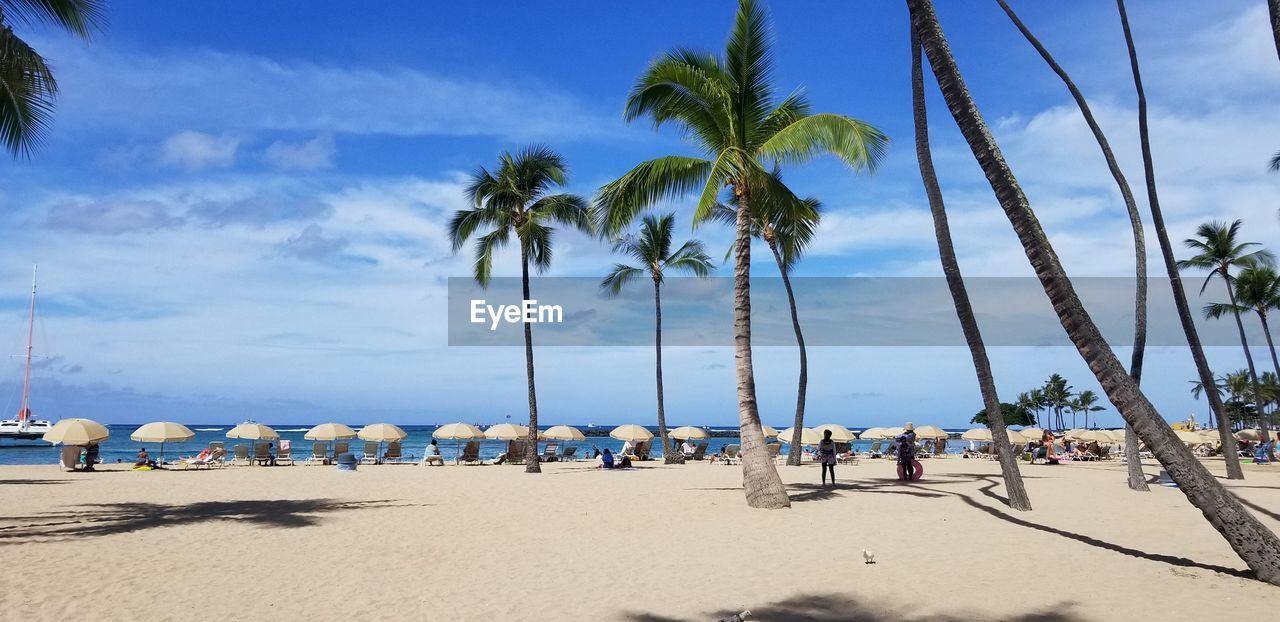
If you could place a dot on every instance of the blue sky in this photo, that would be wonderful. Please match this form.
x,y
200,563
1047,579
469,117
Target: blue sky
x,y
241,209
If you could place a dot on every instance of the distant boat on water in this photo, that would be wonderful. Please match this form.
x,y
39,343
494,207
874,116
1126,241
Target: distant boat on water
x,y
24,427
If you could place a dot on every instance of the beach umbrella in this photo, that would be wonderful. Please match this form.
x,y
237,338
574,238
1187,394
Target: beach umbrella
x,y
978,434
381,433
1211,436
1032,434
329,432
253,432
458,432
77,432
1101,437
688,432
1249,435
1190,438
839,433
808,436
891,433
1074,433
507,432
768,431
931,431
563,433
631,432
872,433
162,432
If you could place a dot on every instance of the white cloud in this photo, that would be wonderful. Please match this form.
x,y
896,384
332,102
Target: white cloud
x,y
314,154
193,150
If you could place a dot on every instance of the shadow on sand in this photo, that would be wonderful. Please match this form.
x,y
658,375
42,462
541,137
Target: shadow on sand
x,y
848,607
115,518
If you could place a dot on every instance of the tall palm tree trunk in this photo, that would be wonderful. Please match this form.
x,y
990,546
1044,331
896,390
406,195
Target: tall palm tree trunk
x,y
668,456
1266,330
793,457
1263,428
760,478
1171,265
1273,7
1255,544
1137,479
531,449
1017,492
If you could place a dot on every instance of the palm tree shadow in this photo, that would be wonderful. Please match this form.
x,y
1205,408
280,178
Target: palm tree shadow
x,y
33,482
832,607
106,519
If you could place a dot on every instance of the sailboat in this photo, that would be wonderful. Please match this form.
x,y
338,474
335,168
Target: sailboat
x,y
24,427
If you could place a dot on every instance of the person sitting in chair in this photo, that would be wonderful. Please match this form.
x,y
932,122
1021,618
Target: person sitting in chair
x,y
605,459
144,460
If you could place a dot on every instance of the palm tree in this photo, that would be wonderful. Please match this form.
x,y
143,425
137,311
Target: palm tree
x,y
652,248
1136,479
517,200
726,105
1273,7
1057,394
994,410
1256,545
786,227
1038,404
1219,387
27,86
1258,290
1166,251
1218,250
1087,402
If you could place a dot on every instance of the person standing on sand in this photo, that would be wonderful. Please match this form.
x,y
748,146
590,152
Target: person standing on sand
x,y
907,451
827,457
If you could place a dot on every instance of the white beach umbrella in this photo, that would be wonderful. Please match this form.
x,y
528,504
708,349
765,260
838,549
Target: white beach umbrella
x,y
872,433
839,433
507,432
1211,436
808,436
631,432
253,432
458,431
1101,437
1190,438
978,434
1252,434
1032,434
382,433
931,431
77,432
162,432
891,433
563,433
329,432
768,431
688,432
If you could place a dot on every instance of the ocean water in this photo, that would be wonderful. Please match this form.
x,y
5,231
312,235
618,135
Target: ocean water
x,y
119,448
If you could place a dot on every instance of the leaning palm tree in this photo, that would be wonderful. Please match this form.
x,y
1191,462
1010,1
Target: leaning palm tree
x,y
1136,479
726,106
1256,545
1218,250
1017,492
1087,402
786,227
652,248
1166,251
1273,8
28,89
517,200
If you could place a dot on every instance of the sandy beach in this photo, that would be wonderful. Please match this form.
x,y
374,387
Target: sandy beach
x,y
655,543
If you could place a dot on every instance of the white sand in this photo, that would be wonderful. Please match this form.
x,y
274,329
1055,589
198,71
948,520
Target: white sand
x,y
657,543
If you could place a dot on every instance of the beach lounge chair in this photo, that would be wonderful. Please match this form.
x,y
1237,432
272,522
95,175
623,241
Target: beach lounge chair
x,y
642,450
568,454
201,459
319,454
874,452
262,455
516,451
240,455
775,451
339,449
69,458
699,452
550,453
216,445
940,448
285,455
393,454
370,455
730,455
471,453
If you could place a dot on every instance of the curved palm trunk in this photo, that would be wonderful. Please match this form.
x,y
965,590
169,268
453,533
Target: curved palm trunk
x,y
1171,265
1256,545
1018,498
1263,428
668,456
760,478
1266,330
531,449
1273,7
793,457
1137,480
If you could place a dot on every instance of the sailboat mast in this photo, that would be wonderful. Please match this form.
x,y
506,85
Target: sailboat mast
x,y
24,415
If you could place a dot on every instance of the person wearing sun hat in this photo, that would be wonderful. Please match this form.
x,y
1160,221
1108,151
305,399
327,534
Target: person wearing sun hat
x,y
907,451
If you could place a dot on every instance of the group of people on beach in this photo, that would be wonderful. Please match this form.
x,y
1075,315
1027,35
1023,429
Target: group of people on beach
x,y
903,448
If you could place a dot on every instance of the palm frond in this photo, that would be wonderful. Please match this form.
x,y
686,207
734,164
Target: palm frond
x,y
567,209
486,246
27,94
858,144
690,257
465,223
688,87
537,237
618,277
83,18
749,60
1274,164
1216,310
619,201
